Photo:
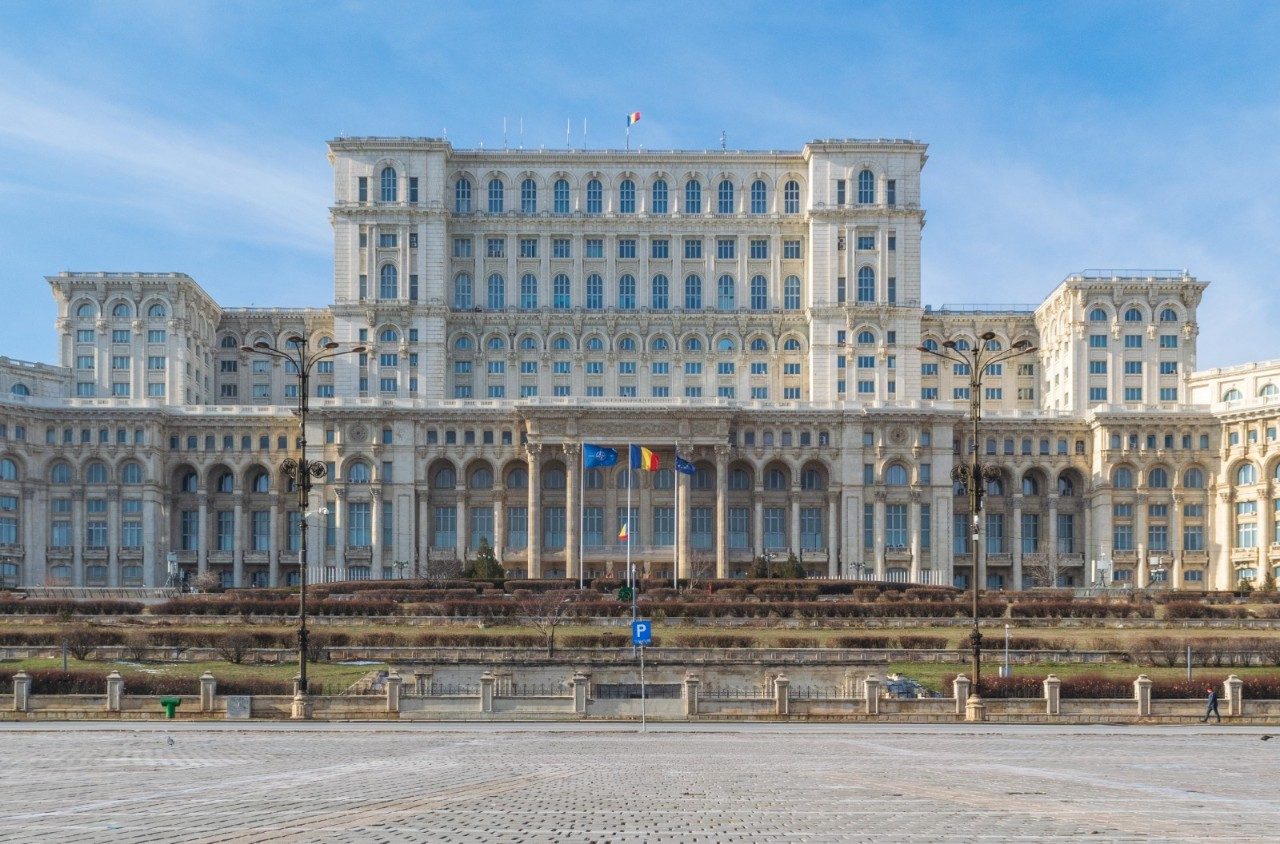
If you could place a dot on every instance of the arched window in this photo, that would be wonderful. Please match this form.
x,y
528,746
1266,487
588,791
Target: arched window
x,y
725,294
121,310
866,187
561,292
462,196
739,479
725,344
20,389
1168,315
931,344
226,482
1133,315
594,344
462,344
481,478
1065,486
444,478
561,344
664,479
463,295
190,482
529,197
627,292
693,197
528,343
495,196
759,344
693,293
1246,475
1123,478
895,475
388,283
388,184
1193,478
1268,390
660,293
791,293
229,342
560,196
866,284
595,197
759,197
627,344
553,478
497,292
791,344
388,335
627,197
1030,485
704,477
724,197
1232,395
84,310
659,344
992,345
1097,315
157,311
693,344
866,338
775,479
8,469
660,199
261,482
528,291
496,343
813,479
518,478
994,486
791,197
759,293
1158,478
131,473
595,292
96,473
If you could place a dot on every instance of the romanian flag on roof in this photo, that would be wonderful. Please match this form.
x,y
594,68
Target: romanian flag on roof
x,y
643,458
633,118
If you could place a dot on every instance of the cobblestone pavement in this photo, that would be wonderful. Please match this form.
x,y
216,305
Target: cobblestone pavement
x,y
585,782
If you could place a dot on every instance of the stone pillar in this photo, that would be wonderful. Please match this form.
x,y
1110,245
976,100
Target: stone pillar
x,y
871,691
913,536
781,695
794,540
1051,530
237,540
692,684
722,512
684,523
278,539
833,534
115,691
581,682
499,521
878,535
21,691
572,509
208,689
1015,530
960,688
757,518
461,537
339,516
421,682
975,709
301,710
375,532
486,691
534,556
1232,688
1142,694
393,691
202,533
1052,694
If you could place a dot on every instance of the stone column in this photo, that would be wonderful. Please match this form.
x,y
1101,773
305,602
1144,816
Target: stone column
x,y
1052,694
487,681
833,534
208,690
1051,530
393,691
499,542
1175,541
424,532
913,535
339,529
21,691
683,486
202,532
460,537
871,691
1142,694
581,682
534,567
781,695
1232,689
878,534
114,575
279,538
573,509
757,519
237,544
794,503
115,691
375,532
722,512
692,684
1016,551
960,689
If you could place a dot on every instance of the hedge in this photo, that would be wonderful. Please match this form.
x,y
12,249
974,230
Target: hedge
x,y
62,606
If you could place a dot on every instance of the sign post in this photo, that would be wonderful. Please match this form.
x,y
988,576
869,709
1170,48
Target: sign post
x,y
641,637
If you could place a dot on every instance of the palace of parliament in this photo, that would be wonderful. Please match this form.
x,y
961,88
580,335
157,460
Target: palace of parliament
x,y
758,312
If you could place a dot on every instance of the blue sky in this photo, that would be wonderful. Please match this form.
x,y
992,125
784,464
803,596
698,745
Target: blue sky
x,y
190,136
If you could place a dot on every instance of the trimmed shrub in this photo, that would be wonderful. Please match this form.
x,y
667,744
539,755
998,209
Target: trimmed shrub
x,y
713,640
797,642
921,641
861,642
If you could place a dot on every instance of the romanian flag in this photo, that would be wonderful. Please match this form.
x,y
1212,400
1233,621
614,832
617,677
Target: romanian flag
x,y
633,118
643,458
622,534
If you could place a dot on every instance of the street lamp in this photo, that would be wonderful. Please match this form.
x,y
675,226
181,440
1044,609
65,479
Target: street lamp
x,y
299,352
979,360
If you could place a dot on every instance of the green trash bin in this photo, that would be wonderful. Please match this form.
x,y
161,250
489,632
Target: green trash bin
x,y
170,704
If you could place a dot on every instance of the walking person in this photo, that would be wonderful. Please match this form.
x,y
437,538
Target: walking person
x,y
1211,705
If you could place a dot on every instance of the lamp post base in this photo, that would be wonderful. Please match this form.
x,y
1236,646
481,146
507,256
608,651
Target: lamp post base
x,y
975,709
301,707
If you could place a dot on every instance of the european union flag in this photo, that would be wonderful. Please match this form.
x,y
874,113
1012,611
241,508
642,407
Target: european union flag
x,y
684,466
596,455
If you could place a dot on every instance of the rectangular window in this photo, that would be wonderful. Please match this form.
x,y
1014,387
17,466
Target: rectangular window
x,y
866,241
595,247
626,248
995,534
693,248
1193,538
561,247
462,247
444,532
1133,394
528,247
387,240
481,527
1168,341
791,250
225,520
739,528
260,530
1030,533
1133,341
1097,367
495,247
1097,394
759,249
726,248
517,527
1168,394
553,528
660,248
775,527
895,526
840,191
1133,367
1097,341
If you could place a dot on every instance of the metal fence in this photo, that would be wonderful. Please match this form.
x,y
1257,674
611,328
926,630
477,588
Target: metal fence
x,y
724,693
631,691
817,693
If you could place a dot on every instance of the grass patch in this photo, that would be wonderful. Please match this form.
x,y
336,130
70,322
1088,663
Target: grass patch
x,y
334,678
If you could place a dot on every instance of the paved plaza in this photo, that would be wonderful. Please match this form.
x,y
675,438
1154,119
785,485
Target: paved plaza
x,y
571,783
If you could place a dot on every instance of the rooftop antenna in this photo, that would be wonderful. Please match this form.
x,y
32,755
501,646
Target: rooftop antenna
x,y
504,133
567,129
722,139
521,133
584,133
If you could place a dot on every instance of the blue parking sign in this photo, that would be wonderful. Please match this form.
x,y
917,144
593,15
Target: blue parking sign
x,y
641,632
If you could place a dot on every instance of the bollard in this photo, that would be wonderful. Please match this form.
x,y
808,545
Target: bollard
x,y
960,687
21,691
301,710
1052,695
581,682
208,689
691,685
115,691
486,691
169,704
871,690
1142,694
1232,687
975,709
781,695
393,691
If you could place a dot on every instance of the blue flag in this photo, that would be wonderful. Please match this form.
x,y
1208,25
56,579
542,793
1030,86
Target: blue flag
x,y
595,455
684,466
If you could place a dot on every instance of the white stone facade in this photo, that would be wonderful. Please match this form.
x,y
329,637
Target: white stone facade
x,y
761,311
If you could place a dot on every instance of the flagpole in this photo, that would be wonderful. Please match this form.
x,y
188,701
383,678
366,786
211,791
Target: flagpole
x,y
582,511
630,574
628,134
675,519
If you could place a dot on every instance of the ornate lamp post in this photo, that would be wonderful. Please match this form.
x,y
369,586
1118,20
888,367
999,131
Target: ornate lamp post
x,y
299,352
973,475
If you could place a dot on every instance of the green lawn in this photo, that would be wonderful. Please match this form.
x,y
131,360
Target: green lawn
x,y
334,677
934,675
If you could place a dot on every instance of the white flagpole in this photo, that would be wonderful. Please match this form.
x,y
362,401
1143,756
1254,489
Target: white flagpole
x,y
628,133
582,510
675,521
630,483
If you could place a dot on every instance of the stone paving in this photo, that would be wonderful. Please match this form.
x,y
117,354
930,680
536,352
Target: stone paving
x,y
583,783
